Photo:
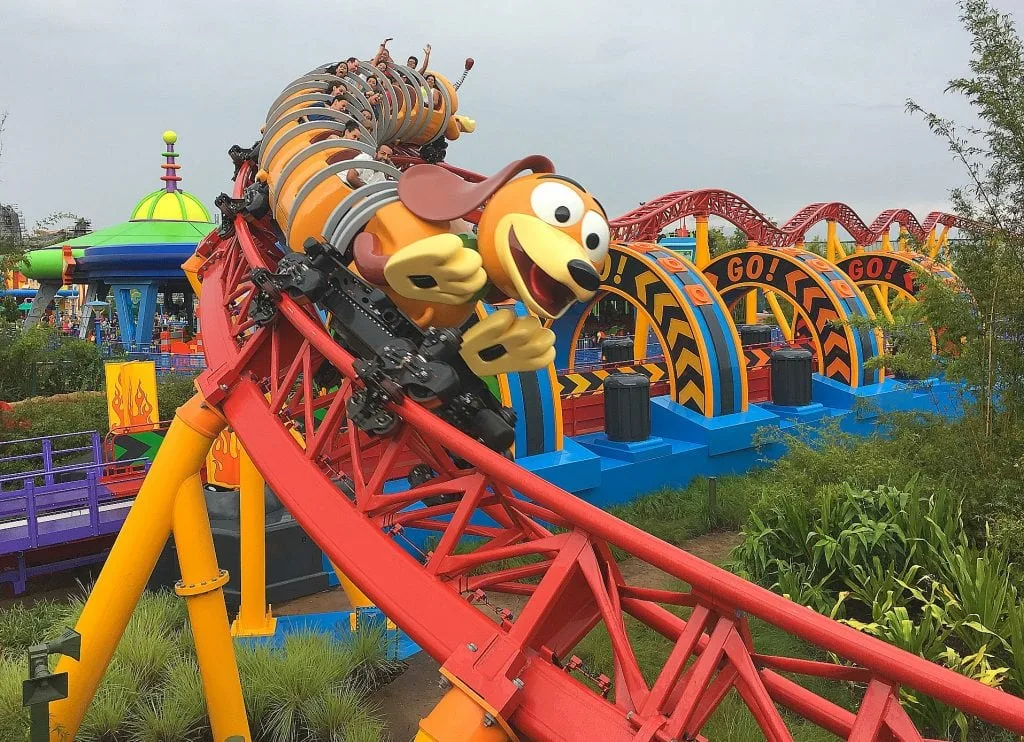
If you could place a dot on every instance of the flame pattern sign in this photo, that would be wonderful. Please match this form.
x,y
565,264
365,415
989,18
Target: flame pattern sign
x,y
131,393
222,461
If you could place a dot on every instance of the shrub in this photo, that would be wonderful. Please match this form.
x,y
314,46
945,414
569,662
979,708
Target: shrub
x,y
41,362
66,413
172,391
313,689
898,565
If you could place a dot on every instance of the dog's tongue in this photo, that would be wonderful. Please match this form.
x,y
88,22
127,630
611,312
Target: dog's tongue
x,y
548,292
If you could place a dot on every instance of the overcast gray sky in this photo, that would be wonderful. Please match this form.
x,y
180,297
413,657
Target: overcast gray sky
x,y
784,103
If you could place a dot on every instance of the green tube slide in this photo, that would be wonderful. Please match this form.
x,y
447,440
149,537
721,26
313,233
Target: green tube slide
x,y
46,264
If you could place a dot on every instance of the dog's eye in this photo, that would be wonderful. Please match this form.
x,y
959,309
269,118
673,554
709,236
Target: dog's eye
x,y
556,204
596,236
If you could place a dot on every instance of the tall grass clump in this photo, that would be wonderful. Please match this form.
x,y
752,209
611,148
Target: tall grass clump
x,y
313,689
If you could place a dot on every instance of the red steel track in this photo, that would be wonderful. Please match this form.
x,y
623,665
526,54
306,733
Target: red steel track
x,y
644,223
536,542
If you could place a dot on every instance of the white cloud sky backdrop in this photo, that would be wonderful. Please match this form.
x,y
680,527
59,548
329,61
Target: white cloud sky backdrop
x,y
784,103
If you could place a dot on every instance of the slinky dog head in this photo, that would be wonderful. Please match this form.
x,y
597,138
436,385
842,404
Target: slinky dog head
x,y
542,238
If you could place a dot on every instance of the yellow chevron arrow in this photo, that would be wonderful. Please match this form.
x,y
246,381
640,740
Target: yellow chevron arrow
x,y
657,371
687,359
676,328
661,301
642,282
580,383
691,392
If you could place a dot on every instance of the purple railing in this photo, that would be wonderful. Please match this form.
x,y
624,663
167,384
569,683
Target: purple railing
x,y
56,503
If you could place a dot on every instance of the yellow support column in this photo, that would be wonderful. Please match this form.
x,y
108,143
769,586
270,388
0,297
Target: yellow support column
x,y
641,329
463,716
202,587
254,615
940,243
355,596
131,560
830,242
883,300
886,242
750,300
903,238
780,317
750,306
702,255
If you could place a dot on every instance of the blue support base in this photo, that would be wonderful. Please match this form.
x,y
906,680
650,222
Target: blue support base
x,y
341,625
685,445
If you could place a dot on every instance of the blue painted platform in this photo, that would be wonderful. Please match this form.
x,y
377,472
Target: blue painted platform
x,y
684,445
342,625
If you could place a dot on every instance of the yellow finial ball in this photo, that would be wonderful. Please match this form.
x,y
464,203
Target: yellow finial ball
x,y
170,137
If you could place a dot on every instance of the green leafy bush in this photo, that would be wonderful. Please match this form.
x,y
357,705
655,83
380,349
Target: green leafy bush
x,y
896,564
172,391
41,362
314,689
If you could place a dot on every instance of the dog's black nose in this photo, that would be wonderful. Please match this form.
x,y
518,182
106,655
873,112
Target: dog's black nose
x,y
583,273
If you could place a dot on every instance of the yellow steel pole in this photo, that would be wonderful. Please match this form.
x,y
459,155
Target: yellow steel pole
x,y
463,716
830,242
202,587
640,332
886,242
254,615
750,315
131,560
883,300
702,255
940,242
780,317
903,238
355,596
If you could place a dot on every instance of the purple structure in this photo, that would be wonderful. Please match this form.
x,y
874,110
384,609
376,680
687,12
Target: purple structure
x,y
66,496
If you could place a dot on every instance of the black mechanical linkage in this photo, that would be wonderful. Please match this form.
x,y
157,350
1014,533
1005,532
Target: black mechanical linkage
x,y
396,357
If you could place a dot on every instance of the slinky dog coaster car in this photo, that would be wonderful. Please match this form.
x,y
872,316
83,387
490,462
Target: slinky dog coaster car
x,y
541,239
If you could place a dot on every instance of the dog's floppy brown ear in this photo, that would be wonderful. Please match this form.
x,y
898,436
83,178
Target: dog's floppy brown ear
x,y
438,195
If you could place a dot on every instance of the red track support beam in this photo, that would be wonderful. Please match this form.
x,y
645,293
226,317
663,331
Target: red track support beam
x,y
262,380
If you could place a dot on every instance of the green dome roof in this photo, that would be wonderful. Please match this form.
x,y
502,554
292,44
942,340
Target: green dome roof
x,y
174,206
170,203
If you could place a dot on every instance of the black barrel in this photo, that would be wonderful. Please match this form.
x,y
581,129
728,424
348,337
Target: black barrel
x,y
791,377
627,407
755,334
616,350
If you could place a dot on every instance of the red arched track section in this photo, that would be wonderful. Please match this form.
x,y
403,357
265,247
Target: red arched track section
x,y
537,542
645,222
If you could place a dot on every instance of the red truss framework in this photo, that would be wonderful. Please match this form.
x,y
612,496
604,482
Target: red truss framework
x,y
644,223
548,549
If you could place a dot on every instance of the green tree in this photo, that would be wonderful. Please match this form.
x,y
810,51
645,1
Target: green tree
x,y
817,246
990,261
721,243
